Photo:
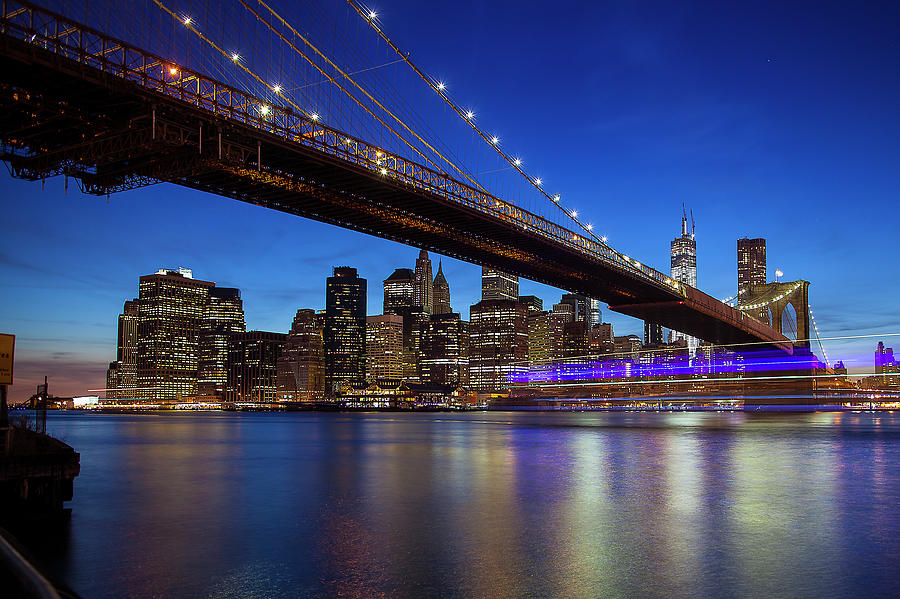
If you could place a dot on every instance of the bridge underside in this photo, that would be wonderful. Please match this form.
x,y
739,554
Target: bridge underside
x,y
60,116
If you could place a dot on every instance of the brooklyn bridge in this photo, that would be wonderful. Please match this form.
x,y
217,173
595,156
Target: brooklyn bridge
x,y
343,128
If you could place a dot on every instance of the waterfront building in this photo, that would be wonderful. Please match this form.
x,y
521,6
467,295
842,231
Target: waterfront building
x,y
445,351
223,316
498,343
400,291
751,262
171,305
384,347
441,291
575,340
301,366
540,342
252,367
498,285
126,350
345,328
887,369
600,339
114,378
627,347
424,296
684,269
560,316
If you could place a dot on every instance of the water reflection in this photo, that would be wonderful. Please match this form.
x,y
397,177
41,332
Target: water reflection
x,y
483,505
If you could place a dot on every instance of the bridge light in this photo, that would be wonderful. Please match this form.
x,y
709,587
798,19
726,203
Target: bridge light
x,y
173,70
187,20
384,171
574,213
441,85
604,239
556,198
276,88
590,227
314,116
264,109
470,114
378,153
235,57
372,14
349,141
495,140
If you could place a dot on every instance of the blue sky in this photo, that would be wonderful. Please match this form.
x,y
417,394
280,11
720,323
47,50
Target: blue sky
x,y
776,119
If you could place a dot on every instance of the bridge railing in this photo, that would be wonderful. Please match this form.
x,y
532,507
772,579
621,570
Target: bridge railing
x,y
58,34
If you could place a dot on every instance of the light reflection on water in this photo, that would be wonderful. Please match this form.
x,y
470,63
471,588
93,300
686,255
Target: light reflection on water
x,y
483,505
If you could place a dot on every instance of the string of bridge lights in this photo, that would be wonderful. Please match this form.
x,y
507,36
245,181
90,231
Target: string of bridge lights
x,y
819,339
371,17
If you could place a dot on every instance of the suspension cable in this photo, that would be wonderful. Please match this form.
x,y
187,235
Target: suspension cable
x,y
514,163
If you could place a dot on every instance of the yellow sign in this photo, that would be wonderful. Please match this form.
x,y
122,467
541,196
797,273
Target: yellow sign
x,y
7,347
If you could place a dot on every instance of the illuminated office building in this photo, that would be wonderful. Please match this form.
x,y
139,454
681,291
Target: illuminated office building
x,y
498,343
653,333
171,305
751,262
252,367
384,347
126,351
540,341
584,308
497,285
445,351
345,328
441,293
400,291
684,270
223,316
301,366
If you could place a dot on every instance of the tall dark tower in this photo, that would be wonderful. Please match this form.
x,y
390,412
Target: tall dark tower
x,y
441,293
751,262
424,283
345,328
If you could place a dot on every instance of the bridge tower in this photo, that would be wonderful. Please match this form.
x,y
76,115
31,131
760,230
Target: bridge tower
x,y
769,302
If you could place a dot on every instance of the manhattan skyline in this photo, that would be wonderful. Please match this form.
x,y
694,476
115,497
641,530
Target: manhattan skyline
x,y
791,136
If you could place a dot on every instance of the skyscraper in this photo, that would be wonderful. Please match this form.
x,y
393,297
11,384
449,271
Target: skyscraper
x,y
498,343
684,269
751,262
223,316
445,351
584,309
400,291
441,291
384,347
345,328
170,311
301,366
126,350
424,283
253,367
653,333
497,285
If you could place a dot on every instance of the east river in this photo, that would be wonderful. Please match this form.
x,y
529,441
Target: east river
x,y
482,504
